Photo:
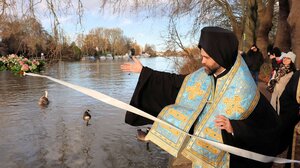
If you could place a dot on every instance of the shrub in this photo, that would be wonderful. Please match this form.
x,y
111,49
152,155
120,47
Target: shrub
x,y
20,64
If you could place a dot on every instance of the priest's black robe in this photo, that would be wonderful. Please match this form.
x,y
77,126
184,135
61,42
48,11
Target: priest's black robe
x,y
257,133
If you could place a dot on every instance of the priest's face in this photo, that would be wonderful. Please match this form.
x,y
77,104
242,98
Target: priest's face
x,y
210,65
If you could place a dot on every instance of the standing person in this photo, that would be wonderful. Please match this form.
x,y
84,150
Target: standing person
x,y
254,60
275,57
280,78
289,115
219,102
269,49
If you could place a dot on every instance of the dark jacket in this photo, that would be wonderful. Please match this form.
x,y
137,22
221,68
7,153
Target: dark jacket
x,y
254,60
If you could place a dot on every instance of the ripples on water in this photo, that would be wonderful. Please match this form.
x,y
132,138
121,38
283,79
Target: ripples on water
x,y
57,136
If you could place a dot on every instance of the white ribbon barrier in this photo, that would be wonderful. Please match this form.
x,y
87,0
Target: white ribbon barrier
x,y
117,103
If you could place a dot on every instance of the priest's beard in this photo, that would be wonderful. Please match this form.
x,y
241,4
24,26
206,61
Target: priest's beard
x,y
211,70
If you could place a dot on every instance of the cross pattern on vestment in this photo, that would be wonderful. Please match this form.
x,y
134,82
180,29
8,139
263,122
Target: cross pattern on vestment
x,y
233,105
194,90
178,115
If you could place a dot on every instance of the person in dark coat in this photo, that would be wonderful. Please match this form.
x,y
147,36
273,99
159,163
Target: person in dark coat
x,y
157,91
254,60
275,57
289,113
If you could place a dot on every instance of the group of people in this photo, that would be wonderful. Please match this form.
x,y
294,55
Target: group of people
x,y
283,67
219,102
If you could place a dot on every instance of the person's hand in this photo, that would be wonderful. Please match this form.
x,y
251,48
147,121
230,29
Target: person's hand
x,y
272,56
132,67
223,123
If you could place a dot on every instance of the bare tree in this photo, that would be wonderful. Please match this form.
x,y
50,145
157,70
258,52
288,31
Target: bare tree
x,y
294,24
13,10
103,41
251,19
150,49
283,39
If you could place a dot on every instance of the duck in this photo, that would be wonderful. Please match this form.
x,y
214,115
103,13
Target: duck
x,y
87,116
142,134
44,99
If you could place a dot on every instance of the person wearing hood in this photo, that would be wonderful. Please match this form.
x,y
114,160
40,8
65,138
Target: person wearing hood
x,y
254,59
218,102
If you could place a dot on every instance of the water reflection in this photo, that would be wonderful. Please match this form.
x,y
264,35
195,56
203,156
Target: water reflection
x,y
57,136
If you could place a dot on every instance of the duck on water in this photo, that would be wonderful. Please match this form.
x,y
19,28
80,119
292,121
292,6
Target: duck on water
x,y
87,116
43,101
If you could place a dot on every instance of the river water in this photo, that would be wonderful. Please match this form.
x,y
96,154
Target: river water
x,y
57,136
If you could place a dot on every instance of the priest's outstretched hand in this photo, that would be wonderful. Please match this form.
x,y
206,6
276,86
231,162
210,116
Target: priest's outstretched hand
x,y
135,67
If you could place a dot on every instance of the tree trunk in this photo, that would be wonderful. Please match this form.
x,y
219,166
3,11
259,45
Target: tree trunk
x,y
250,25
283,39
294,23
265,16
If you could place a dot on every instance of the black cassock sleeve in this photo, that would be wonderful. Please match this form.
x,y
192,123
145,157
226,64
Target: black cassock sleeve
x,y
258,133
154,91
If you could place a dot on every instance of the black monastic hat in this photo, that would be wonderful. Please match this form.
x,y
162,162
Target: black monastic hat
x,y
220,44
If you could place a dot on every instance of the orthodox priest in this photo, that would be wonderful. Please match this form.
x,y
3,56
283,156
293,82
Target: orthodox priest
x,y
219,102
